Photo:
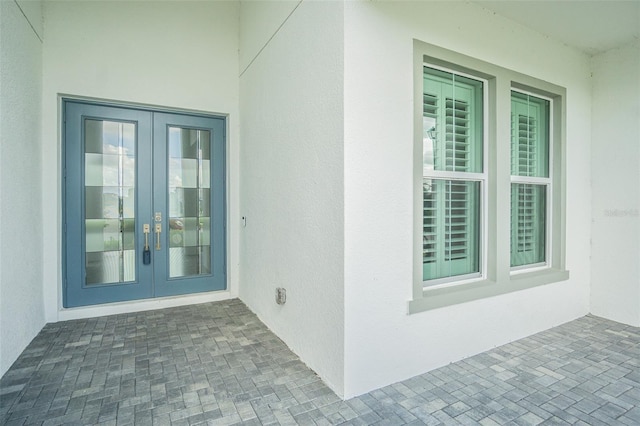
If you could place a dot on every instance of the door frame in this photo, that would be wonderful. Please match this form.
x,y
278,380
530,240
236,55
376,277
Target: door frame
x,y
63,99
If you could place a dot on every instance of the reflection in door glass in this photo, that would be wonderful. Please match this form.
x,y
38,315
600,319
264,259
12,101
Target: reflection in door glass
x,y
189,201
110,164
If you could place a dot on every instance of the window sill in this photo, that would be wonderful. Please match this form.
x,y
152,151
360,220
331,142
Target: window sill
x,y
440,297
521,279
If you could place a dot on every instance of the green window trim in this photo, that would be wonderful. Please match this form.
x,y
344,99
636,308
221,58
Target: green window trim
x,y
540,184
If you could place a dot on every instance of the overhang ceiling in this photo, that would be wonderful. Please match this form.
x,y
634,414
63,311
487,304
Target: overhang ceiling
x,y
590,26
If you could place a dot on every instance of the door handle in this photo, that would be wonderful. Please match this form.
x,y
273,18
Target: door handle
x,y
146,253
158,232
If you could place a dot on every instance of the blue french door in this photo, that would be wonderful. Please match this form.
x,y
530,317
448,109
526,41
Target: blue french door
x,y
143,204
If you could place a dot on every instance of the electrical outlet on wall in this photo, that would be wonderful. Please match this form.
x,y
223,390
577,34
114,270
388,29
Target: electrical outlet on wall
x,y
281,296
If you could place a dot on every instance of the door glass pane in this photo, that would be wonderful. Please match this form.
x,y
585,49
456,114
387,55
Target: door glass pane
x,y
189,202
110,165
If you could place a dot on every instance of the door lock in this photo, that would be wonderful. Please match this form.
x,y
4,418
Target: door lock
x,y
146,253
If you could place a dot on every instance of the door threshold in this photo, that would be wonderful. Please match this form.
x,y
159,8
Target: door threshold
x,y
65,314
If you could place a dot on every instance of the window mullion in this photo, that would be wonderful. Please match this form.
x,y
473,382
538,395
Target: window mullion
x,y
476,177
531,179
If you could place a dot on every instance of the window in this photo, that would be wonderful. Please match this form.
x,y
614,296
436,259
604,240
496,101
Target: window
x,y
452,163
529,178
489,208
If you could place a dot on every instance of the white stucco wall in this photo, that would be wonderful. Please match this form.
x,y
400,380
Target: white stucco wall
x,y
259,21
21,255
174,54
615,260
383,343
292,181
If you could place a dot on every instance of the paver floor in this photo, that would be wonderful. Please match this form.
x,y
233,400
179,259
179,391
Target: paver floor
x,y
217,364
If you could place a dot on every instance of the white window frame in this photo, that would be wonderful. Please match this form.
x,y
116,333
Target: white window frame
x,y
548,183
481,177
497,276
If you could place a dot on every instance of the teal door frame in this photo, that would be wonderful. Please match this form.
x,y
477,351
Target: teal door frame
x,y
144,277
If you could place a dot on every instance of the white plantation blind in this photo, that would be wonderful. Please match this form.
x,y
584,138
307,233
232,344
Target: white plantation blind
x,y
456,199
431,149
528,218
459,227
450,225
452,142
430,105
524,158
525,205
429,222
529,158
452,120
529,136
457,150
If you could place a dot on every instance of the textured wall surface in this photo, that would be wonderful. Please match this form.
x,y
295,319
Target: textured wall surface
x,y
615,259
383,343
292,183
21,255
259,21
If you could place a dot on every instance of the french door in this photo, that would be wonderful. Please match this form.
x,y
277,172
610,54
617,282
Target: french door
x,y
144,211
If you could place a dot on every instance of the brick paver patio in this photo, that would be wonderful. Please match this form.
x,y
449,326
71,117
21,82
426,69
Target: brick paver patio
x,y
217,364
